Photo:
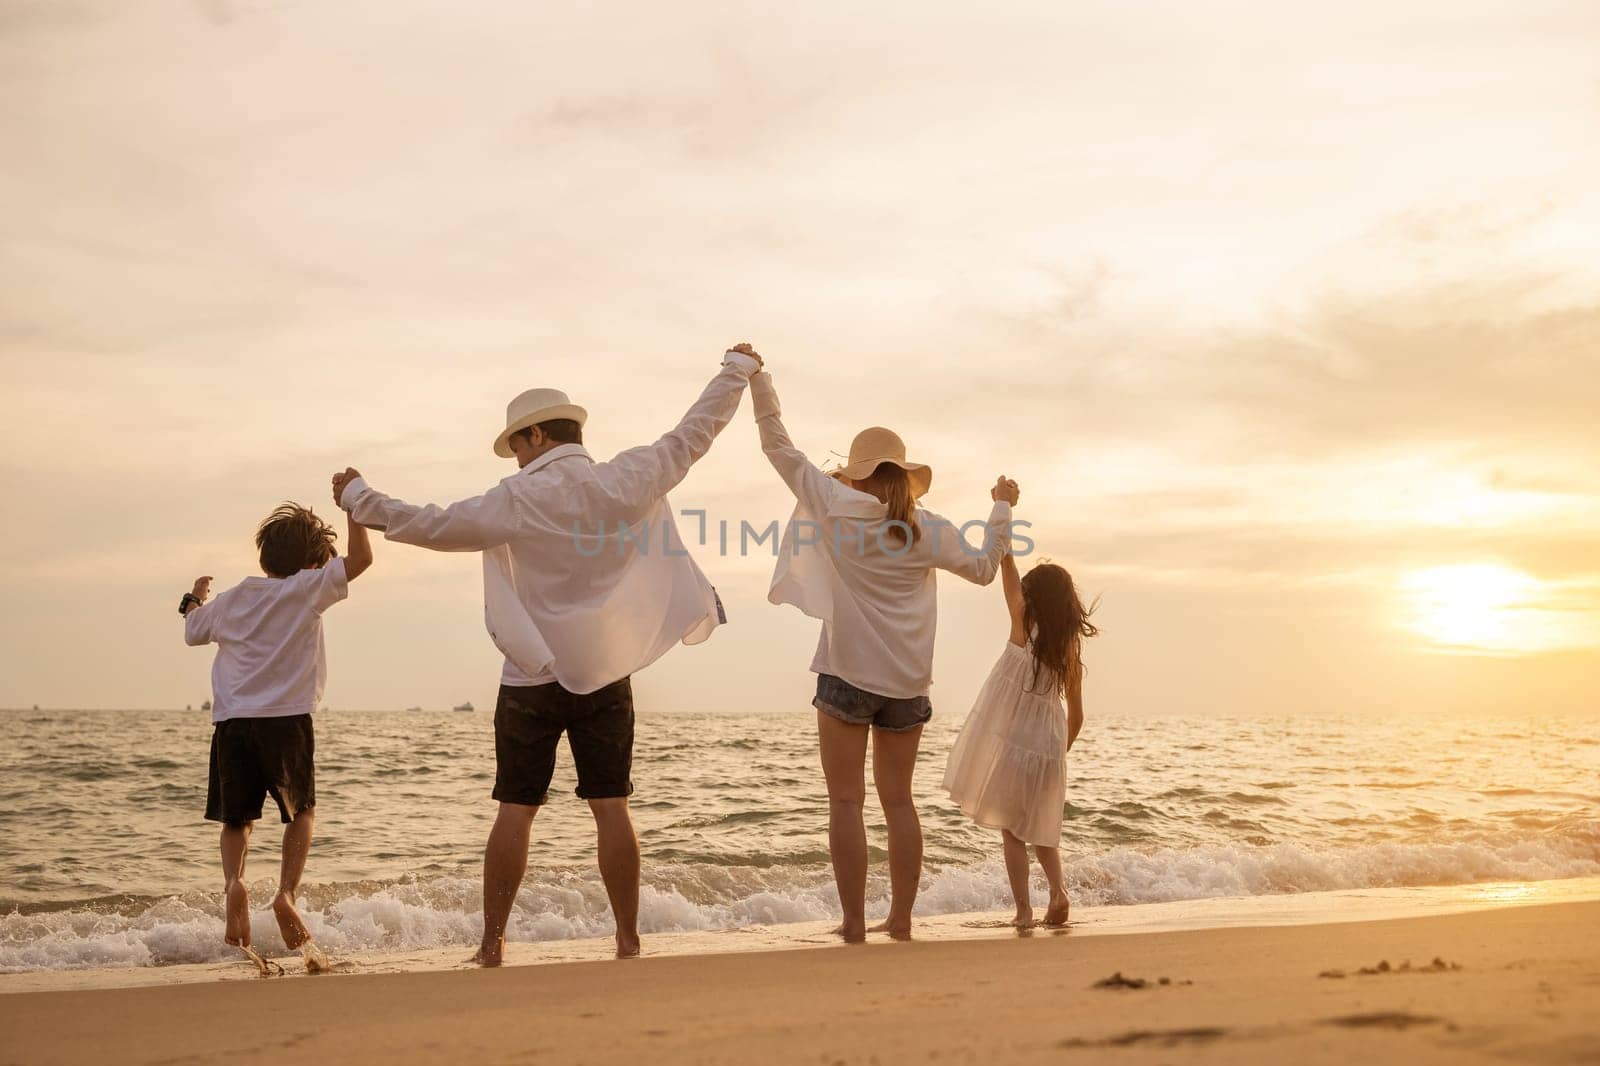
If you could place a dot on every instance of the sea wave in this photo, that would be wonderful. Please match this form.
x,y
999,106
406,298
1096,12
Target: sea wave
x,y
439,908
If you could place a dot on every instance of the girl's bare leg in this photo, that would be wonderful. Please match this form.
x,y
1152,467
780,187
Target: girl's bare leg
x,y
894,761
844,761
1050,863
1017,874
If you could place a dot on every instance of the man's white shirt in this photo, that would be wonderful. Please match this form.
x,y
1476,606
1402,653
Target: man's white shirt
x,y
586,578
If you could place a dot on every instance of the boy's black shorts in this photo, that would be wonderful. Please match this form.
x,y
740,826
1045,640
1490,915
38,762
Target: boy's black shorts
x,y
528,723
254,757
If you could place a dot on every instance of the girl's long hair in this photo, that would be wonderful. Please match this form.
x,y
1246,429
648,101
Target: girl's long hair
x,y
1057,622
892,485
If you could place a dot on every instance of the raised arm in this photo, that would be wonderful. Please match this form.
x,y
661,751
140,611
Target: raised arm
x,y
977,564
1011,581
470,525
359,556
196,619
809,484
639,476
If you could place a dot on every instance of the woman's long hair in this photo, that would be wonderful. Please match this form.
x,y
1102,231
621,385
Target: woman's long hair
x,y
892,485
1057,622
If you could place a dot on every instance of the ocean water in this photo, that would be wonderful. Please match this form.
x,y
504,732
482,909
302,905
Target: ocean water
x,y
105,860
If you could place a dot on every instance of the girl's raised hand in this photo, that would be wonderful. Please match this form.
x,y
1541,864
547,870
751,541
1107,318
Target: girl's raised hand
x,y
1005,489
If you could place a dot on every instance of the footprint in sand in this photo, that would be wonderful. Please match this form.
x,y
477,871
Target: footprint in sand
x,y
1438,965
1399,1020
1153,1038
1116,980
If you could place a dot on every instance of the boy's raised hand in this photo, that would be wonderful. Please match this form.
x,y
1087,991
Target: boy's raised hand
x,y
202,588
1005,489
340,481
744,348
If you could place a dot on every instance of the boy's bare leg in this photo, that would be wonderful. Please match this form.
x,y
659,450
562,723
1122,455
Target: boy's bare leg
x,y
235,847
619,869
505,861
296,846
1060,906
1017,874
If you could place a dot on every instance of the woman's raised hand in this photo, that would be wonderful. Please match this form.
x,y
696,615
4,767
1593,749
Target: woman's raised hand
x,y
1005,489
744,348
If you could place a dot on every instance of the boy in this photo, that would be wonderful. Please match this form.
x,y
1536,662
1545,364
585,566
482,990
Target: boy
x,y
267,679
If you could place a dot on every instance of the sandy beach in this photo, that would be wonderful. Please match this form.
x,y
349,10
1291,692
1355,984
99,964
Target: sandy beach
x,y
1509,984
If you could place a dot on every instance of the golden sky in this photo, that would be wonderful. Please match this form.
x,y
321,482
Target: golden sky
x,y
1284,316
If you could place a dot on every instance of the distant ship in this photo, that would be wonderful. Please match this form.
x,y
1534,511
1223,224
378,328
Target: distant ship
x,y
413,708
206,706
464,706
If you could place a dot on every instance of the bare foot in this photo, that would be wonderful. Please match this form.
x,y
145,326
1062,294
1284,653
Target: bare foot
x,y
316,959
896,930
1023,918
1057,912
852,932
627,946
293,929
236,927
264,967
489,956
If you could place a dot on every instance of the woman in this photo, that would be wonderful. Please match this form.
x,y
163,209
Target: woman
x,y
860,555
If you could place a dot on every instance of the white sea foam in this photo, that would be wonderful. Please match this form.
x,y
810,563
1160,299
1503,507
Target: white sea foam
x,y
442,910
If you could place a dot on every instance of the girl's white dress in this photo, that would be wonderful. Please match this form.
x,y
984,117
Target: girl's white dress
x,y
1008,767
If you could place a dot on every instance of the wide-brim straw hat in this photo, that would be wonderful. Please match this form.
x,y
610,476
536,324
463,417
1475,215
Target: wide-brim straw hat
x,y
875,446
533,407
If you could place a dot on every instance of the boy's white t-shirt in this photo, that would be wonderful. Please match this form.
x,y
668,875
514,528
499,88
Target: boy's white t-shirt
x,y
268,631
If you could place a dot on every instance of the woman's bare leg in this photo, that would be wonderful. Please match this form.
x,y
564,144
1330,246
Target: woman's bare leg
x,y
1017,874
844,763
894,761
1050,863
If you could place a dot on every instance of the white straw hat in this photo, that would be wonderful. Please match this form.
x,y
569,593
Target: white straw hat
x,y
533,407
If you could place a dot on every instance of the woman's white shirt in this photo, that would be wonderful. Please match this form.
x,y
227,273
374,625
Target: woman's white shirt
x,y
840,562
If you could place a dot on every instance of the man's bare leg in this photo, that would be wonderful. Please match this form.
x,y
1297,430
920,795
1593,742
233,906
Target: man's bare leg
x,y
844,760
505,861
296,846
894,761
618,847
236,898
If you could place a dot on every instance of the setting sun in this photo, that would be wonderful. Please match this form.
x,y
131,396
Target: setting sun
x,y
1485,608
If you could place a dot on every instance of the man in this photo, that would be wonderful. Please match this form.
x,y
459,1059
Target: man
x,y
585,581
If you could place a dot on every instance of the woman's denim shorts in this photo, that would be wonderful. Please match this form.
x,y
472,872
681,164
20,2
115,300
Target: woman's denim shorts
x,y
838,698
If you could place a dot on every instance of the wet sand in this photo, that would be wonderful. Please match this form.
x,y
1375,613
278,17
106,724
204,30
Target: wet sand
x,y
1509,984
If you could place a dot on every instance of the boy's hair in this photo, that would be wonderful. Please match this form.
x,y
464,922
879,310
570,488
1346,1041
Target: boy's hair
x,y
293,539
560,430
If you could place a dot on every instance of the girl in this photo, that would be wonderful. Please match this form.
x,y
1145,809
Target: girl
x,y
1006,770
860,555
